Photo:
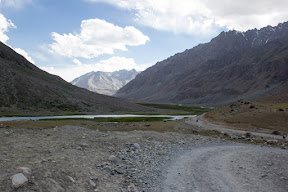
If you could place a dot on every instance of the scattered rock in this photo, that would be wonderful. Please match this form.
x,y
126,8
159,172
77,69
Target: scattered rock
x,y
71,179
236,136
92,183
18,180
283,146
136,146
119,171
272,142
112,158
84,145
270,164
55,187
132,187
263,176
248,135
24,170
94,178
276,133
195,131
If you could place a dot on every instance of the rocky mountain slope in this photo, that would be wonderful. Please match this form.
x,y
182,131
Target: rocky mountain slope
x,y
232,66
107,83
25,89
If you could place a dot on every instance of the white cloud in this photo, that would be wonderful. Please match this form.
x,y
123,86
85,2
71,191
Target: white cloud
x,y
108,65
24,54
5,25
202,16
96,37
14,3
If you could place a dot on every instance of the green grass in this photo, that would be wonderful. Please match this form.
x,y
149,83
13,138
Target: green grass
x,y
277,106
169,113
191,109
37,115
158,126
114,119
130,119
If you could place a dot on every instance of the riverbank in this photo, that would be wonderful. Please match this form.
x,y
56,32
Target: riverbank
x,y
109,118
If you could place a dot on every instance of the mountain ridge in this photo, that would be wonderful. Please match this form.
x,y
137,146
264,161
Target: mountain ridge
x,y
202,75
26,89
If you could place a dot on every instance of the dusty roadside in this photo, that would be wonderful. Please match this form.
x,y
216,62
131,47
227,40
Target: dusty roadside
x,y
204,123
78,159
74,158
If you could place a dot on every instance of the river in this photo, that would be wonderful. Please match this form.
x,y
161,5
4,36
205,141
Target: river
x,y
173,117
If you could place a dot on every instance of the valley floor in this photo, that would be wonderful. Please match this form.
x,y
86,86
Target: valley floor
x,y
74,158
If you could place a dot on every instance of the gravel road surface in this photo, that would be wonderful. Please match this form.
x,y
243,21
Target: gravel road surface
x,y
232,167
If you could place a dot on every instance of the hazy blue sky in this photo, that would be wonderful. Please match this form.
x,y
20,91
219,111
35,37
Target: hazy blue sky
x,y
72,37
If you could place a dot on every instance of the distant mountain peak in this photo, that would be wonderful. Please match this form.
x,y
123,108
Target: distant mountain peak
x,y
107,83
28,90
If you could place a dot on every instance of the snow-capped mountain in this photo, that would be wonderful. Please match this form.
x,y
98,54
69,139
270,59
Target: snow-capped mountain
x,y
107,83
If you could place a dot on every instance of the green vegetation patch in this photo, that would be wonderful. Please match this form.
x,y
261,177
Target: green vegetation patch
x,y
277,106
115,119
130,119
191,109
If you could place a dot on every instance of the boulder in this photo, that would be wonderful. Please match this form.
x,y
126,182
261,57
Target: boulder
x,y
136,146
18,180
276,133
112,158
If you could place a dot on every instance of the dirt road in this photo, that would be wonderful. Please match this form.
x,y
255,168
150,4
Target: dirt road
x,y
198,121
230,167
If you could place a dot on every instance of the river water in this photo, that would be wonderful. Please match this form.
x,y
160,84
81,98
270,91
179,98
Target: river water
x,y
173,117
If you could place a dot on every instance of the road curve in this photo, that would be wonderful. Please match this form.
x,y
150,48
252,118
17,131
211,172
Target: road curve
x,y
197,121
227,168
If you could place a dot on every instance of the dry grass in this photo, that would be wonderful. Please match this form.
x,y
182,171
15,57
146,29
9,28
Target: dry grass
x,y
101,126
263,114
159,126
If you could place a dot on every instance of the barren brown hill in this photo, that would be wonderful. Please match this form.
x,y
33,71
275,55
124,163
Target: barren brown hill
x,y
26,89
233,66
270,112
